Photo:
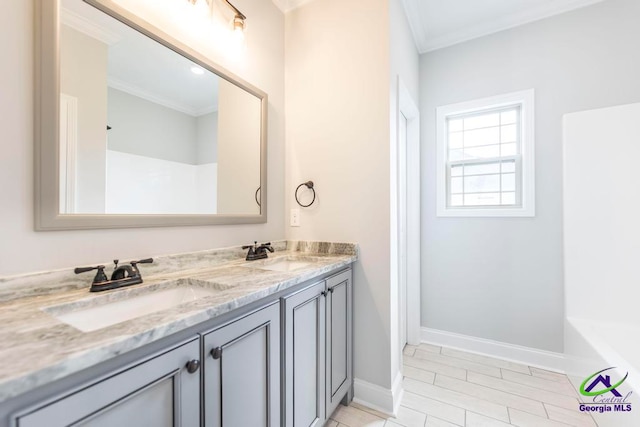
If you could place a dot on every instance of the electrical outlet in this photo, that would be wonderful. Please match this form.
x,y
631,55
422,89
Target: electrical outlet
x,y
295,217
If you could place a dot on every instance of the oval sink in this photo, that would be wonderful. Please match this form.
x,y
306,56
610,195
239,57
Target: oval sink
x,y
109,313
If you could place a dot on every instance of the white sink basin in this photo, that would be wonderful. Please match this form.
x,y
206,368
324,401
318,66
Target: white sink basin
x,y
283,265
113,312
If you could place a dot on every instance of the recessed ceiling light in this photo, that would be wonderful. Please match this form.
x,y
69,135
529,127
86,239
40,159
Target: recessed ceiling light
x,y
197,70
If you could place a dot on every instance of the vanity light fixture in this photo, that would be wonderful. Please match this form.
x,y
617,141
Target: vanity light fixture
x,y
238,19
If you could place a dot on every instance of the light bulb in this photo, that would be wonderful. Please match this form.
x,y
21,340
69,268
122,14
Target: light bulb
x,y
202,7
238,34
238,28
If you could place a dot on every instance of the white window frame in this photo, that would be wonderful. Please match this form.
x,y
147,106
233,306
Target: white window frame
x,y
525,100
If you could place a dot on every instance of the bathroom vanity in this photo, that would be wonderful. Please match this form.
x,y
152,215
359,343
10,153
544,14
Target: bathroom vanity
x,y
268,344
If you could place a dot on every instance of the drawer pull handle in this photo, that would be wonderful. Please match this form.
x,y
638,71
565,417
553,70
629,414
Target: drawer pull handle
x,y
216,353
193,366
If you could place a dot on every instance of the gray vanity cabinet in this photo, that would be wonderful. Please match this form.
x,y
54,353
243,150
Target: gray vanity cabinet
x,y
159,392
222,374
304,356
317,350
241,371
339,340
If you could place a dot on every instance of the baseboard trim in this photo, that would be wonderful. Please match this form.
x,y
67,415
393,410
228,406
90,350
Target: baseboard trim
x,y
514,353
379,398
397,392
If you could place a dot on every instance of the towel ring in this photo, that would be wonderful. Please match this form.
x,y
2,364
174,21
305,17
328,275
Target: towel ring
x,y
309,185
256,197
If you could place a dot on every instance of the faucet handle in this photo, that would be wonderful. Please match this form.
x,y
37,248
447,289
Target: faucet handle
x,y
266,247
79,270
255,243
100,276
134,266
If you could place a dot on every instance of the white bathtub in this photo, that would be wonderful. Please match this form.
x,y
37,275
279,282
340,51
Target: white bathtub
x,y
593,346
601,206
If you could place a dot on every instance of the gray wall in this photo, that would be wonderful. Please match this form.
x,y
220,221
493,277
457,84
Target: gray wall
x,y
148,129
502,279
83,75
207,138
337,134
238,149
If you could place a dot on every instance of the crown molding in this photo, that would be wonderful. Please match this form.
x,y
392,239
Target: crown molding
x,y
151,97
88,27
281,4
484,28
289,5
416,25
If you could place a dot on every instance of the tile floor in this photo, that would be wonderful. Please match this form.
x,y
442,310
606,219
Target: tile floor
x,y
448,388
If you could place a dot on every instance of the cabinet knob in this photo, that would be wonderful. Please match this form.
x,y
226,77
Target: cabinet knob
x,y
323,293
216,353
193,366
330,290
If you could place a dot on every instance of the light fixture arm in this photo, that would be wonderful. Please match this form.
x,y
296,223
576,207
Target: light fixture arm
x,y
238,19
235,9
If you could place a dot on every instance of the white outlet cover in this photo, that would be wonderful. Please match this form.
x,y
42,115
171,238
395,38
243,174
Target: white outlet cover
x,y
295,218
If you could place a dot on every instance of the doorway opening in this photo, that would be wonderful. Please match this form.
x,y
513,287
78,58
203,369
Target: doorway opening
x,y
408,214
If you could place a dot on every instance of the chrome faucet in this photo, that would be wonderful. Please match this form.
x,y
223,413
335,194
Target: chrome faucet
x,y
258,252
124,275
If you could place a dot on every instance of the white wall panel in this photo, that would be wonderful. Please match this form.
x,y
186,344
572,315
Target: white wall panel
x,y
145,185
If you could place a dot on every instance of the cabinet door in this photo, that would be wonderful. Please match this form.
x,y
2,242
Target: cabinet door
x,y
339,341
242,372
304,350
159,392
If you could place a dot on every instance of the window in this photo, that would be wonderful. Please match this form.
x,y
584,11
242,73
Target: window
x,y
485,157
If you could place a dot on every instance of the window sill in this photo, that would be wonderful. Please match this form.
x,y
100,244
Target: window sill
x,y
486,212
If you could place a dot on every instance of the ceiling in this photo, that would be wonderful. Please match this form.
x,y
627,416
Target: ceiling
x,y
440,23
143,67
287,5
434,23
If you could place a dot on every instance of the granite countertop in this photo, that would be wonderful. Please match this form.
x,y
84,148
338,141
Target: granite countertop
x,y
37,348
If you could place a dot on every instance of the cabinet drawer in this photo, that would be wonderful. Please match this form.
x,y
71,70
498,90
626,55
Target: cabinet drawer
x,y
158,392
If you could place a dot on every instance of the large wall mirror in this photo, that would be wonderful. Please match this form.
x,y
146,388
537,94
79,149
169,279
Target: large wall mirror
x,y
135,129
